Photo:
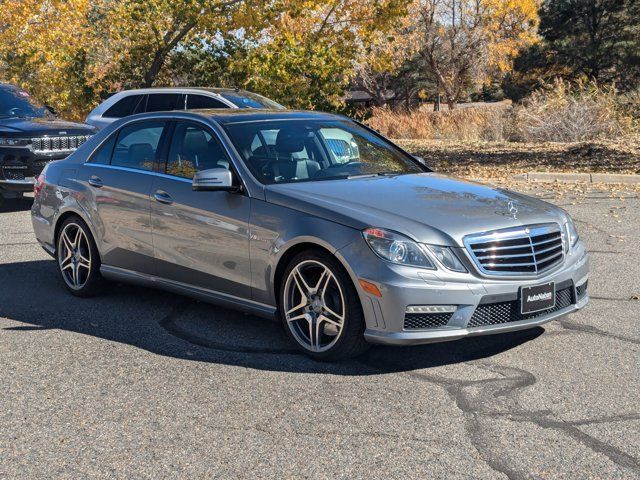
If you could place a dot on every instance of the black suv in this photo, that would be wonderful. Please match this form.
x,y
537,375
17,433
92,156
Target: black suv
x,y
30,137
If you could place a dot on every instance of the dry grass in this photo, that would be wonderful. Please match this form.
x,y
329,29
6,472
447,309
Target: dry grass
x,y
560,112
486,123
571,113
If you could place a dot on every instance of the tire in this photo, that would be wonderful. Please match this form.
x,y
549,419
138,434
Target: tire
x,y
327,323
78,259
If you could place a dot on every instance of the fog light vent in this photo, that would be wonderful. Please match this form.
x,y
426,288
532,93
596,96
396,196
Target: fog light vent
x,y
431,309
422,317
581,290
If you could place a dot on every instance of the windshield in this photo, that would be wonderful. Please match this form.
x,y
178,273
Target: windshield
x,y
15,103
251,100
285,151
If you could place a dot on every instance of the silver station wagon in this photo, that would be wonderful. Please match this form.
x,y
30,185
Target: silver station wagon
x,y
307,217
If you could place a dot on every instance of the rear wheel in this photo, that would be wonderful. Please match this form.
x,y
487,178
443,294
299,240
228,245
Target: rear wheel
x,y
320,308
78,258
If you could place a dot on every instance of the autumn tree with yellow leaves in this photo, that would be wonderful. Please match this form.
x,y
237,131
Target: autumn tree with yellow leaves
x,y
303,53
45,46
71,52
464,42
310,49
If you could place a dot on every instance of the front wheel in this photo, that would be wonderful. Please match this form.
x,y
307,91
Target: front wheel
x,y
320,308
78,259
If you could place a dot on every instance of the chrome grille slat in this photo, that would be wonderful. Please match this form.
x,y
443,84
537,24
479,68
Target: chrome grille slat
x,y
545,257
540,252
514,255
527,250
510,264
555,239
58,144
492,249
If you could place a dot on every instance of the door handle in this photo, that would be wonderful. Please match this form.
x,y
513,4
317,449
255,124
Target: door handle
x,y
95,181
163,197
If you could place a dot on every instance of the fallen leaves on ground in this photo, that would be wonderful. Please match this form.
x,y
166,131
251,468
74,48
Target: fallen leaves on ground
x,y
498,162
494,159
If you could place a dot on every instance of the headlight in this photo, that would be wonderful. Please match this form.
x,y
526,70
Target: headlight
x,y
447,258
396,248
14,142
571,234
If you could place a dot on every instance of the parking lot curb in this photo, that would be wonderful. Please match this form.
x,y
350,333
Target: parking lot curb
x,y
551,177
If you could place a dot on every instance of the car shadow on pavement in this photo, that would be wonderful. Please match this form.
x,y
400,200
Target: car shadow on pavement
x,y
175,326
15,205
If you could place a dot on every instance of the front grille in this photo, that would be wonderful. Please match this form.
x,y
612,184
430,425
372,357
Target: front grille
x,y
58,144
40,164
14,167
19,167
13,174
420,321
518,251
506,312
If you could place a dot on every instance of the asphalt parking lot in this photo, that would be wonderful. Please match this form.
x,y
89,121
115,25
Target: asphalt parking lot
x,y
144,384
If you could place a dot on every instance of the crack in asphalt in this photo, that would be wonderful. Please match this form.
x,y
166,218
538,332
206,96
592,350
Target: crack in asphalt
x,y
478,400
612,299
579,327
608,251
482,399
18,244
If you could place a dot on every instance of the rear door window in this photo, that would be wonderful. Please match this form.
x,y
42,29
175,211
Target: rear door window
x,y
165,102
127,106
102,156
202,101
137,145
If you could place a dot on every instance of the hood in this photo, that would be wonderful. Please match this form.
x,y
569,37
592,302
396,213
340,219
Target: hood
x,y
428,207
18,127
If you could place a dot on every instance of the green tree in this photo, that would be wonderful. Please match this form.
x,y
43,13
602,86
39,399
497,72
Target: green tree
x,y
594,39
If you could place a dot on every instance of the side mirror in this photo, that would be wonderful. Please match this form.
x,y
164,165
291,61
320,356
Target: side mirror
x,y
51,109
214,179
421,160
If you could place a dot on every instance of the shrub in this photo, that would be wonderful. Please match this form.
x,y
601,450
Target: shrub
x,y
559,112
562,112
473,123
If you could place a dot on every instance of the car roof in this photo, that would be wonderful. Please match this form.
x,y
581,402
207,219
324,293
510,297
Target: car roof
x,y
142,91
228,116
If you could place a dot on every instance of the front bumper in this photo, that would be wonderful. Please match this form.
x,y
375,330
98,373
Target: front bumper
x,y
402,287
19,166
16,186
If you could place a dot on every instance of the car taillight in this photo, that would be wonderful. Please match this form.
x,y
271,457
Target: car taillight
x,y
37,186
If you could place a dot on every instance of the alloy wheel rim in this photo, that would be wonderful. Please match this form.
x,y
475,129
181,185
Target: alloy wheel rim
x,y
314,306
74,256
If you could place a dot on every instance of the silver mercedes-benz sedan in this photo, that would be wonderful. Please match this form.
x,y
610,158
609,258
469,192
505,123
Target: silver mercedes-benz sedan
x,y
307,217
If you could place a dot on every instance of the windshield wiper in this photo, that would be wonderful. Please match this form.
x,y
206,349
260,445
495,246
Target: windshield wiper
x,y
361,175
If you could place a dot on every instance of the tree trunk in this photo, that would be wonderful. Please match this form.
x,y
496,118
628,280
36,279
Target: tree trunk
x,y
154,69
406,98
161,54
